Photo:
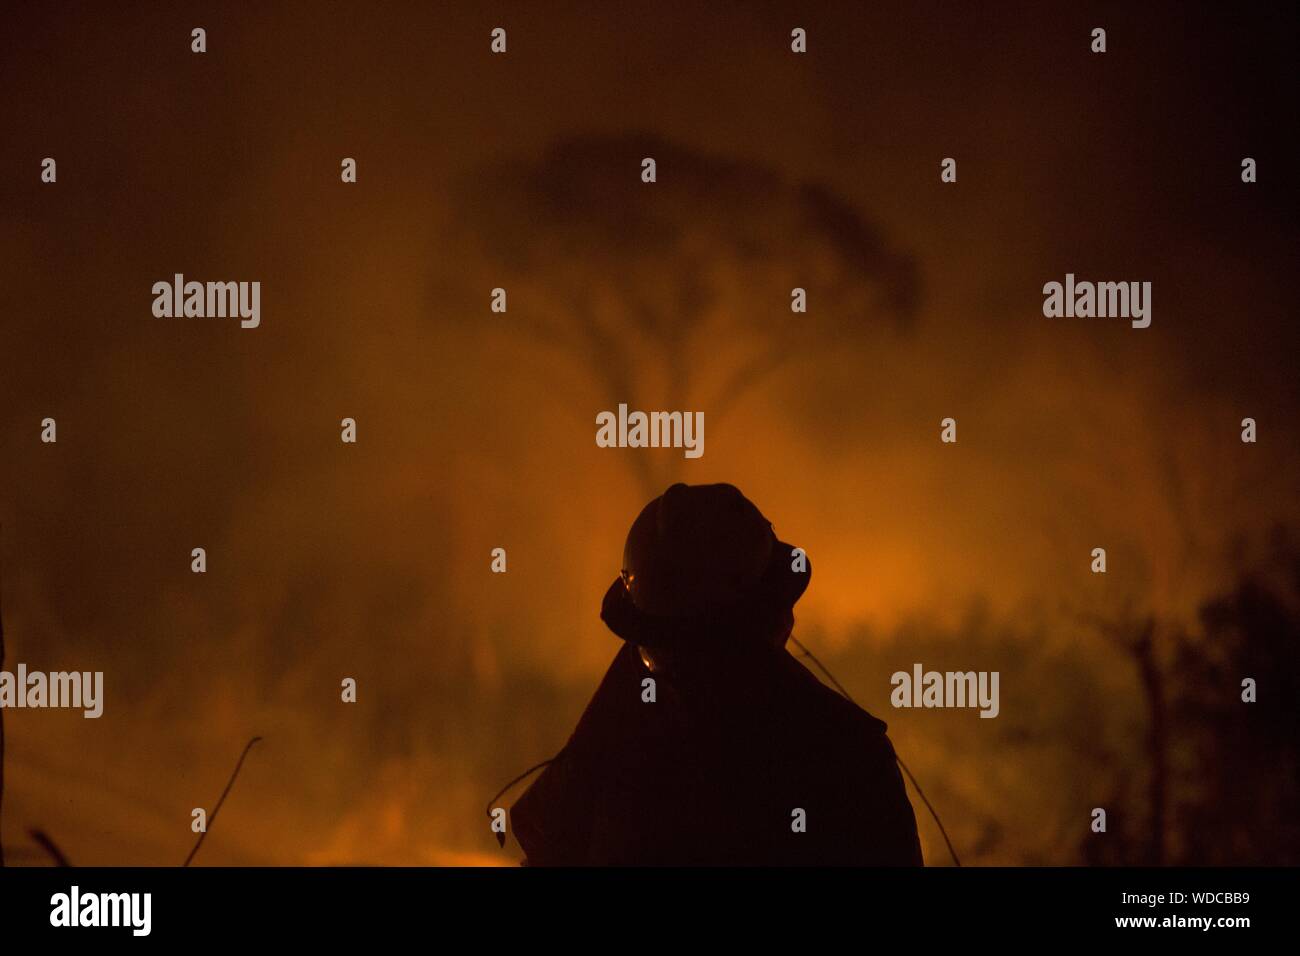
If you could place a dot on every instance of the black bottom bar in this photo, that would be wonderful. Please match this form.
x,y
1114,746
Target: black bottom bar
x,y
496,907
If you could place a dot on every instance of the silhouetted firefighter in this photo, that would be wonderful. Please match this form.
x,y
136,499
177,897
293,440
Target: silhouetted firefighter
x,y
742,757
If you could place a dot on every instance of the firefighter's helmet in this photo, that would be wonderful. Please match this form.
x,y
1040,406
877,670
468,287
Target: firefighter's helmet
x,y
701,549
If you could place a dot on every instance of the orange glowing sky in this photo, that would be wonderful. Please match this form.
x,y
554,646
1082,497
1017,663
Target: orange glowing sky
x,y
372,560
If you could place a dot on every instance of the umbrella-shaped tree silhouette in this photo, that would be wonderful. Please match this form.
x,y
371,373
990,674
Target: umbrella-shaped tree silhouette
x,y
678,294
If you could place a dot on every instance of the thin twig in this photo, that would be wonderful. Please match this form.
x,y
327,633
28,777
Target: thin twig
x,y
49,846
217,809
